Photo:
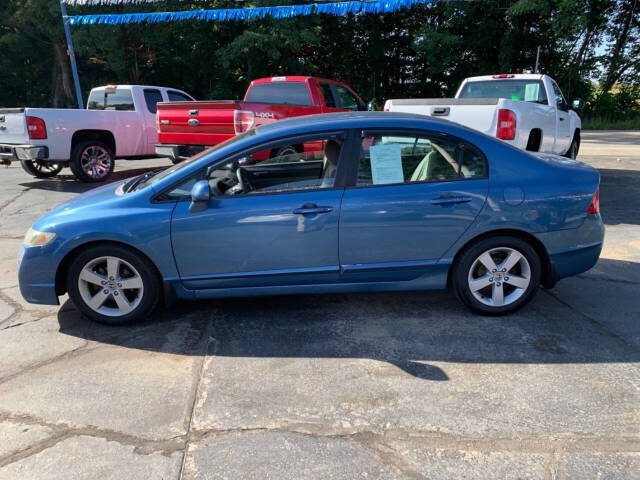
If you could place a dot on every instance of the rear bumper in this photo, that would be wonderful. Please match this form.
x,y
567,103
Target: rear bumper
x,y
178,152
10,152
575,250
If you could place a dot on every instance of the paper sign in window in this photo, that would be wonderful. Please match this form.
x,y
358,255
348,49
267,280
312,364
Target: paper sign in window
x,y
386,164
531,92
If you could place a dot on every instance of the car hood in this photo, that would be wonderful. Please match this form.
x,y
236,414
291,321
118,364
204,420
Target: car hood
x,y
96,200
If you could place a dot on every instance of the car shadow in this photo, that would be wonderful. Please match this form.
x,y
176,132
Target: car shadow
x,y
418,332
70,184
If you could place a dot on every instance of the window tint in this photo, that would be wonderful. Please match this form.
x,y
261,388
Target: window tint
x,y
284,168
178,97
347,99
151,97
392,160
111,99
292,93
328,95
522,90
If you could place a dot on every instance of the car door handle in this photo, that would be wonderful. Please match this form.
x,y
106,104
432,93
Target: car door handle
x,y
450,199
308,209
561,119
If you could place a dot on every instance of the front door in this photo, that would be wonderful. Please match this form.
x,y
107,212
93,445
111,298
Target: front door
x,y
271,223
414,197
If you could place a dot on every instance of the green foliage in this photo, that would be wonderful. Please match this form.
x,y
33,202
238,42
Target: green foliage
x,y
422,52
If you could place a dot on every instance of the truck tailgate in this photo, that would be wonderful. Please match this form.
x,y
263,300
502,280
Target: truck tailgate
x,y
13,127
476,113
196,123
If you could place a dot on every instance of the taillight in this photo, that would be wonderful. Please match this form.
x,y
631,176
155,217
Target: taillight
x,y
594,206
242,120
36,128
506,125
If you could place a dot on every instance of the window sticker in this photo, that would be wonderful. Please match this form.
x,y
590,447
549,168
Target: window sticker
x,y
531,91
386,164
515,96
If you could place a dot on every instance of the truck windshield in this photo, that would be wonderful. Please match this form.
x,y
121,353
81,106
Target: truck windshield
x,y
292,93
519,90
110,99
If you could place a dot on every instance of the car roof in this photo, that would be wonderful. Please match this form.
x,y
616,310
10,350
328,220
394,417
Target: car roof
x,y
342,120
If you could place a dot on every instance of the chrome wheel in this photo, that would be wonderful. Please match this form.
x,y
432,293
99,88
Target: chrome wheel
x,y
96,162
499,276
110,286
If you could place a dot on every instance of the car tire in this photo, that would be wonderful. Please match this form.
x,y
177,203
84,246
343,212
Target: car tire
x,y
572,153
497,275
111,302
41,169
91,161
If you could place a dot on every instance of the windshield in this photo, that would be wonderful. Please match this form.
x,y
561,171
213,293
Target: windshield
x,y
519,90
154,177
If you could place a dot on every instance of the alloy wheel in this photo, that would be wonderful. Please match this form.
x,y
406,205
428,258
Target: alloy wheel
x,y
499,276
110,286
95,161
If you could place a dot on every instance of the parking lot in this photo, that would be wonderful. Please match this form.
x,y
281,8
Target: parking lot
x,y
379,386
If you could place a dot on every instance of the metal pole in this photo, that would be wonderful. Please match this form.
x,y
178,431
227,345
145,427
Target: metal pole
x,y
71,53
537,60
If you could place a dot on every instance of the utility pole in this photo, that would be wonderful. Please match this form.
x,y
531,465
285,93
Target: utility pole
x,y
537,60
71,53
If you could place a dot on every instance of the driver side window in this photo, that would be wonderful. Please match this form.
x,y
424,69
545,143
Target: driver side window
x,y
284,168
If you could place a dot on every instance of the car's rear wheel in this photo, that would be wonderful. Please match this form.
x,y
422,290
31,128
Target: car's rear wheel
x,y
497,275
40,168
113,284
92,161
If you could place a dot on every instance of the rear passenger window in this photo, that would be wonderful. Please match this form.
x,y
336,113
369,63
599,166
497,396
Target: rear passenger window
x,y
178,97
288,93
399,159
329,101
151,98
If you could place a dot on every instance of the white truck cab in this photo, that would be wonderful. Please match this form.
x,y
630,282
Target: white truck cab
x,y
119,122
528,111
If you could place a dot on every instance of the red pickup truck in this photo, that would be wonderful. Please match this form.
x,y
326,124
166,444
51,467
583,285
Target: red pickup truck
x,y
186,128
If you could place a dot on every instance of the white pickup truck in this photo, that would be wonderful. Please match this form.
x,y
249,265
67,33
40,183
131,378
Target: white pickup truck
x,y
525,110
119,122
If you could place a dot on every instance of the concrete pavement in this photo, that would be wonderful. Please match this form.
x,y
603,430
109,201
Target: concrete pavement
x,y
397,386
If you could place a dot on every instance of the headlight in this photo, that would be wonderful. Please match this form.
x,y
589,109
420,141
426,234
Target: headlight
x,y
35,238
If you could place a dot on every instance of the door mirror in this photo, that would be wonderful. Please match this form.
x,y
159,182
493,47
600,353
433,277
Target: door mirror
x,y
371,106
577,104
200,195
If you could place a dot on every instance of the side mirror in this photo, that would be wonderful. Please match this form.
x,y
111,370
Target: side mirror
x,y
577,104
200,195
370,106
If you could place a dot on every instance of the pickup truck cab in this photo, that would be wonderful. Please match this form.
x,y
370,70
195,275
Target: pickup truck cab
x,y
528,111
186,128
119,122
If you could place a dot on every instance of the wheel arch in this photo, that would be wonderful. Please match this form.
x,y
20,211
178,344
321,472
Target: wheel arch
x,y
65,263
104,136
548,276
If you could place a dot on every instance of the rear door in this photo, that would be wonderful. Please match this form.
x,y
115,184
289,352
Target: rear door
x,y
563,124
151,98
415,194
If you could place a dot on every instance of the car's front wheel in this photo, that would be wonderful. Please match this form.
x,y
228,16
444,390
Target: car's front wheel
x,y
113,284
497,275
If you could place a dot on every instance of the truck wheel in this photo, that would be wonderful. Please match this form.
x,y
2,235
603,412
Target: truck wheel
x,y
573,149
91,161
40,168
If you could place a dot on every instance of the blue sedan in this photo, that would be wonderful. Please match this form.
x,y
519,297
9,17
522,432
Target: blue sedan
x,y
329,203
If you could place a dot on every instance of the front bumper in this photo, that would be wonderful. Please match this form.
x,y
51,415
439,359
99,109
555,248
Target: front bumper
x,y
10,152
37,274
178,152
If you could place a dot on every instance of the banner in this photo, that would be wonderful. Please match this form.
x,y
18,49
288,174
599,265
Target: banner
x,y
230,14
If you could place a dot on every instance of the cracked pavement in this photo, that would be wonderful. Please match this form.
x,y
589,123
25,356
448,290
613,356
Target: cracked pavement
x,y
385,386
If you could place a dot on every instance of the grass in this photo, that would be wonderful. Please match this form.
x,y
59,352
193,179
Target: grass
x,y
603,123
